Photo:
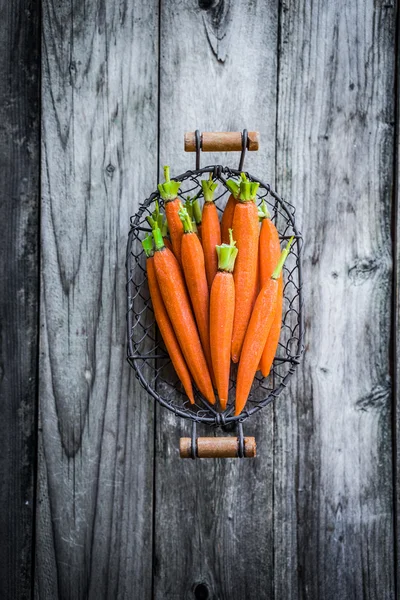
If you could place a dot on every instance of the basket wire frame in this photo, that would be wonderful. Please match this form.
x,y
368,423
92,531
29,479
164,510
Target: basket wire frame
x,y
146,351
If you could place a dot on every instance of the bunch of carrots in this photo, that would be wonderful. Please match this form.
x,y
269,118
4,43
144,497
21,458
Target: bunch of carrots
x,y
216,287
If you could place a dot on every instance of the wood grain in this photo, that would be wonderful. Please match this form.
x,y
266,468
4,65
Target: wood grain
x,y
333,465
396,325
211,516
19,292
99,125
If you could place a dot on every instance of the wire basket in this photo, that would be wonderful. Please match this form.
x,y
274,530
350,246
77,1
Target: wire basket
x,y
146,350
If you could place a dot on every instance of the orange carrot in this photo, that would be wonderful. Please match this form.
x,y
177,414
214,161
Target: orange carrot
x,y
211,232
271,345
269,252
269,245
257,333
222,309
177,303
246,232
196,281
227,215
169,192
164,323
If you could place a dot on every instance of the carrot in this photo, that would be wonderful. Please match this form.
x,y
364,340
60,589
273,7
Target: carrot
x,y
271,345
246,231
222,309
257,333
196,281
167,243
169,192
164,323
211,232
229,211
269,245
177,303
269,252
227,215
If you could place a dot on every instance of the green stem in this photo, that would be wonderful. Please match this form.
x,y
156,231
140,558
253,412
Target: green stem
x,y
248,189
209,186
233,187
169,189
186,220
263,212
157,219
156,211
158,238
227,255
189,207
147,244
151,221
282,258
197,211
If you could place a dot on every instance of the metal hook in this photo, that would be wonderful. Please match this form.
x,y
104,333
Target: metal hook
x,y
240,440
244,148
194,442
197,135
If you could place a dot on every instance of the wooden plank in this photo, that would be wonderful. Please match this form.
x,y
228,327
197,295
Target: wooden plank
x,y
333,467
396,323
99,115
213,521
19,191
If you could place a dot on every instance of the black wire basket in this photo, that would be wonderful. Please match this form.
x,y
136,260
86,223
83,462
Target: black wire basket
x,y
146,350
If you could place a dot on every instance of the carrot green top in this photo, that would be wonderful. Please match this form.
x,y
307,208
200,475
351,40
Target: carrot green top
x,y
169,189
186,220
189,207
193,207
282,258
157,219
209,186
233,187
196,211
263,212
147,244
227,255
158,238
248,189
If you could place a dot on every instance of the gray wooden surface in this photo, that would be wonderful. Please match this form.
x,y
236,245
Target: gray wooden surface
x,y
228,503
118,514
19,276
99,131
335,147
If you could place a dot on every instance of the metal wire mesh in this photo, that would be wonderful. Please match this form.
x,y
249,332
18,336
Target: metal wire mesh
x,y
146,351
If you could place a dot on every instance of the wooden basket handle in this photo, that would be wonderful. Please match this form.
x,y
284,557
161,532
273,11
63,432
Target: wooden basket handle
x,y
221,141
217,447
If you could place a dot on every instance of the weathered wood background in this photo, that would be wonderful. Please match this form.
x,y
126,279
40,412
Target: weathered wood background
x,y
114,512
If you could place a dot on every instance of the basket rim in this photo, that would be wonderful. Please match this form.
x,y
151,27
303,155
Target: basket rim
x,y
220,418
